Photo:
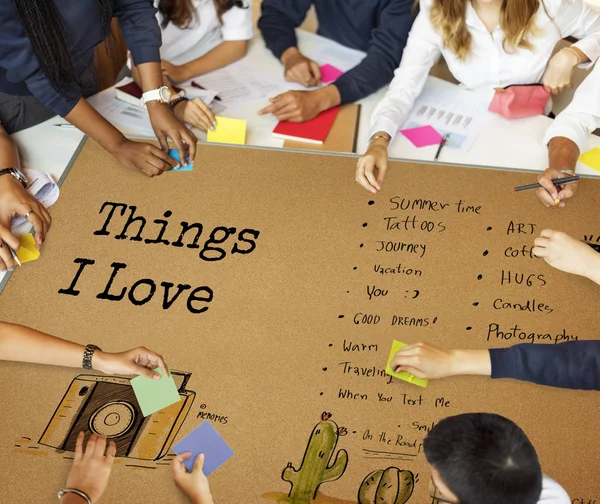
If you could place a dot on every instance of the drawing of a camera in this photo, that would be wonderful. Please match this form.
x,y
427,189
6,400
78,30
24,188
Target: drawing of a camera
x,y
106,405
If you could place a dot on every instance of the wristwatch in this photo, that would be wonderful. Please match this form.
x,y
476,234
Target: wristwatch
x,y
162,95
87,356
15,172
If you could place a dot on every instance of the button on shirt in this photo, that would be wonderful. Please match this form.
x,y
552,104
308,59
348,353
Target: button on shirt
x,y
488,65
20,72
582,116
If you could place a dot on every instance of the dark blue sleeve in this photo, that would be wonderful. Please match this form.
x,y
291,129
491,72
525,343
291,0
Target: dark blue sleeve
x,y
278,20
572,365
21,65
137,19
387,42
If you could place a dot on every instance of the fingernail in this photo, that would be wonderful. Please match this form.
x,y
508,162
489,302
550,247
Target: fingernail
x,y
215,122
212,128
554,195
156,376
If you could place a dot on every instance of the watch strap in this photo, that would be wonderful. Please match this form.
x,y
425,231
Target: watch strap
x,y
88,353
16,173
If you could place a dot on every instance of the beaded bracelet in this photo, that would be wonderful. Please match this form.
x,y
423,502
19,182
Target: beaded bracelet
x,y
177,100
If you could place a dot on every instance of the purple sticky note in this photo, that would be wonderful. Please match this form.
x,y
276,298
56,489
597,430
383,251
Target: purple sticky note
x,y
422,136
329,73
204,439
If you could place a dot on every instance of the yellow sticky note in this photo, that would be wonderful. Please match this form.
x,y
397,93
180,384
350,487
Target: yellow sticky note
x,y
27,252
229,131
407,377
591,158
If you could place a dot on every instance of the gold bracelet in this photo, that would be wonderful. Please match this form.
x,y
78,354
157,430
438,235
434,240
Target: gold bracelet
x,y
385,136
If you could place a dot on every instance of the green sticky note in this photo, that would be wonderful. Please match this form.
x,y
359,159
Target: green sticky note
x,y
591,158
154,395
407,377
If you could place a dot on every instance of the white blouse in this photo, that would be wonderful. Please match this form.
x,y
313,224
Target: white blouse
x,y
205,32
552,492
488,65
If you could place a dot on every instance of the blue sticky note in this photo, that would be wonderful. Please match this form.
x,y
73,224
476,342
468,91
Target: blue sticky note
x,y
204,439
174,153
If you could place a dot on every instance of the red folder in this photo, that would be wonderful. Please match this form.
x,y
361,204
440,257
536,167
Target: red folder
x,y
313,131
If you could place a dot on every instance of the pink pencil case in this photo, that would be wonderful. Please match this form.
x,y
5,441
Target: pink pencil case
x,y
516,102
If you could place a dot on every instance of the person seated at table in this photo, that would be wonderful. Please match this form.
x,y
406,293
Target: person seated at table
x,y
573,365
486,458
93,465
206,35
487,44
567,139
16,200
378,27
47,67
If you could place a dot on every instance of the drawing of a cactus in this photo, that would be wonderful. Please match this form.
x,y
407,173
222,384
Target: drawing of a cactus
x,y
316,467
386,486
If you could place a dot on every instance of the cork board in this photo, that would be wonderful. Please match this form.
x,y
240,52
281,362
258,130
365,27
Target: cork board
x,y
293,316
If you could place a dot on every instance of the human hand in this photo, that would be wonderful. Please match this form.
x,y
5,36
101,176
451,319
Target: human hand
x,y
567,254
143,157
16,200
300,69
559,73
91,470
371,167
138,361
295,106
175,73
193,484
550,193
166,125
195,112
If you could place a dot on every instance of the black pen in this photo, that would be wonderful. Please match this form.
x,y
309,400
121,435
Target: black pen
x,y
442,143
196,85
558,181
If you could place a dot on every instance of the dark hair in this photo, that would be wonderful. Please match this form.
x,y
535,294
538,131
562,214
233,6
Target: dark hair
x,y
45,28
182,13
483,457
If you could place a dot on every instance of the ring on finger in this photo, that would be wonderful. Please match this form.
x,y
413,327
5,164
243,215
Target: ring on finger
x,y
27,214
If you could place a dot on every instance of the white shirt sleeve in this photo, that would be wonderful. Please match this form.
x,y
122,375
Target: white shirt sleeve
x,y
576,19
237,24
422,48
553,493
582,116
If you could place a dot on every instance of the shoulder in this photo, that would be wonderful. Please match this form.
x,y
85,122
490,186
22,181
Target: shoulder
x,y
556,8
553,493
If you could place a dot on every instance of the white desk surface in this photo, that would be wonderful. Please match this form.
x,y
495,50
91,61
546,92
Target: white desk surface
x,y
503,143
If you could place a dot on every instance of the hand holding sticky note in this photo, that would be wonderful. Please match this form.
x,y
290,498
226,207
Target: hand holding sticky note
x,y
154,395
228,131
27,251
407,377
174,153
204,439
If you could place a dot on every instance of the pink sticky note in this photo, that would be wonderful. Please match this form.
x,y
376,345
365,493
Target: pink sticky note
x,y
329,73
422,136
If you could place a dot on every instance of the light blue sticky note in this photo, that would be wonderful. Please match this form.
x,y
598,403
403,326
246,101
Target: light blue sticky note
x,y
174,153
204,439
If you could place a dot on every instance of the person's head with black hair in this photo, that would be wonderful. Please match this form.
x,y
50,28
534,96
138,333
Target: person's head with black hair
x,y
479,458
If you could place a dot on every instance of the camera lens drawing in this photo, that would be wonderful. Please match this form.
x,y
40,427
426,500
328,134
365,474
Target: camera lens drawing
x,y
112,420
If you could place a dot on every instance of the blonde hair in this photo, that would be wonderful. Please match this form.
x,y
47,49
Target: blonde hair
x,y
516,20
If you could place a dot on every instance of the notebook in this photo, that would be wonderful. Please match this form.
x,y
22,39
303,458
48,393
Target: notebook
x,y
314,131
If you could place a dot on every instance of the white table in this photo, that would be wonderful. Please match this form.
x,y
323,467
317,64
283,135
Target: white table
x,y
511,144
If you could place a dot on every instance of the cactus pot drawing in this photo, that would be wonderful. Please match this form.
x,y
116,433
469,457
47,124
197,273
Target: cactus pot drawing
x,y
386,486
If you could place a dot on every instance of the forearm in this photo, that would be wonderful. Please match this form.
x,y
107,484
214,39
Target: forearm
x,y
23,344
225,53
563,154
327,97
471,362
9,156
150,75
278,22
593,272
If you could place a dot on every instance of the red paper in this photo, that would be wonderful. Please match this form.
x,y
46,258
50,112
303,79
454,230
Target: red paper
x,y
314,131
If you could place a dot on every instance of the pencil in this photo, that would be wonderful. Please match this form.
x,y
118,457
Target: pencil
x,y
13,253
442,143
557,181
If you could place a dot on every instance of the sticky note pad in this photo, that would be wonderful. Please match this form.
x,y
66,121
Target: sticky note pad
x,y
329,73
397,345
204,439
591,158
174,153
154,395
422,136
27,252
229,131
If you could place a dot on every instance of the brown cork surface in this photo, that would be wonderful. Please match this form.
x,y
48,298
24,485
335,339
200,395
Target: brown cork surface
x,y
284,308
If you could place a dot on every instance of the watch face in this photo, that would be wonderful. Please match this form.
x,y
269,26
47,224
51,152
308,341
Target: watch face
x,y
165,94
